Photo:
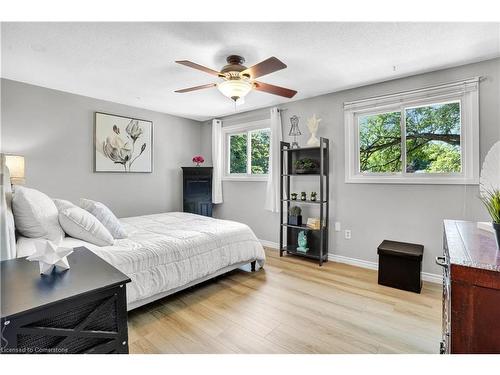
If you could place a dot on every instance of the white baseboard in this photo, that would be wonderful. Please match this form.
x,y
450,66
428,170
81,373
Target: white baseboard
x,y
426,276
272,245
353,261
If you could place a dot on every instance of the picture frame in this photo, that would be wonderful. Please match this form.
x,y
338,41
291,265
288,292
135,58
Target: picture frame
x,y
122,144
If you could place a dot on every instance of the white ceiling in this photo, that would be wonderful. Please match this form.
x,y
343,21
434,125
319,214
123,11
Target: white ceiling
x,y
133,63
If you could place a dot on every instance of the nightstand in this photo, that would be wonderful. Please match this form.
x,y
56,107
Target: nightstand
x,y
80,310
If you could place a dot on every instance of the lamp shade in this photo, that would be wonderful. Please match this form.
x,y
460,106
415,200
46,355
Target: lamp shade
x,y
235,89
15,163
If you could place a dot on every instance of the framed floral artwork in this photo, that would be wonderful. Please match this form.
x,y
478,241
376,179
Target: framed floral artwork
x,y
122,144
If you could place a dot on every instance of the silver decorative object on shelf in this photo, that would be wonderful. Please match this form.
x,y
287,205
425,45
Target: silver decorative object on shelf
x,y
294,130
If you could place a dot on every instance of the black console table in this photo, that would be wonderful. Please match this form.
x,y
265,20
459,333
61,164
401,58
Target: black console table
x,y
80,310
197,190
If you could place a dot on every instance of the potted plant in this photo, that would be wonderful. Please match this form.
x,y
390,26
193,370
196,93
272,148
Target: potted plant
x,y
294,216
305,166
313,196
491,199
303,196
293,196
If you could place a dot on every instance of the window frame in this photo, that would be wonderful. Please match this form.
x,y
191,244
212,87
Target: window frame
x,y
245,128
464,92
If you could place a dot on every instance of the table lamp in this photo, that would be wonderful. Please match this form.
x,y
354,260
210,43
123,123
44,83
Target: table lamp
x,y
15,163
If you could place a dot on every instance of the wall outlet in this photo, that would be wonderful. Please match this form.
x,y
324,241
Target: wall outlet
x,y
347,234
337,226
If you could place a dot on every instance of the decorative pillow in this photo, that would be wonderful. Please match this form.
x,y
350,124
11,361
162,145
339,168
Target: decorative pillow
x,y
81,224
61,204
105,216
36,215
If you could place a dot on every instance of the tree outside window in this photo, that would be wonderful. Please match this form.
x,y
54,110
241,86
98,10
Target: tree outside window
x,y
431,144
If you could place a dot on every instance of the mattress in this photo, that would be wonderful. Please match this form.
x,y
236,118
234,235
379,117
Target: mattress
x,y
166,251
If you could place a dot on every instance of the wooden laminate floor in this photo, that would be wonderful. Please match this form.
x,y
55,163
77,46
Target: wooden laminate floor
x,y
291,306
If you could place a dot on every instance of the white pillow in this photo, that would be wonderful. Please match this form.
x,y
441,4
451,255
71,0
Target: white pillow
x,y
36,215
61,204
81,224
105,216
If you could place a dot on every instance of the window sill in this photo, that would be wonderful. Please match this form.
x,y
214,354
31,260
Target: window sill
x,y
245,178
418,180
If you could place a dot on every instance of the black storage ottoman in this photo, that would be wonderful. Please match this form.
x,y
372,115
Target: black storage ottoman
x,y
400,265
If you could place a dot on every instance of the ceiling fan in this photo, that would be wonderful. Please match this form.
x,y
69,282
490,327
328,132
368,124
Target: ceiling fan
x,y
238,80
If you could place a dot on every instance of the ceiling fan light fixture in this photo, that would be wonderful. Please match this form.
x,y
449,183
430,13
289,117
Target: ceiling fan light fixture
x,y
235,88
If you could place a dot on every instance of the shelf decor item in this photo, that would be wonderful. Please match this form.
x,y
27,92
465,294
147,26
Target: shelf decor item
x,y
49,257
313,196
294,130
313,125
295,217
306,166
313,223
293,196
303,196
198,159
302,241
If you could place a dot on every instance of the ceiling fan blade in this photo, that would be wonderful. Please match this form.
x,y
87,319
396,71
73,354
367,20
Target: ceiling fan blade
x,y
199,67
270,65
197,88
276,90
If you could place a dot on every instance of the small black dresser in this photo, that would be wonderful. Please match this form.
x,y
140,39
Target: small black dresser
x,y
197,190
80,310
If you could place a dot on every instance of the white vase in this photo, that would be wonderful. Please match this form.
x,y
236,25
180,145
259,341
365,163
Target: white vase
x,y
313,125
313,141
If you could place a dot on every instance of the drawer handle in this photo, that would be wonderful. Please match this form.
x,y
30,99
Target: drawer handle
x,y
441,261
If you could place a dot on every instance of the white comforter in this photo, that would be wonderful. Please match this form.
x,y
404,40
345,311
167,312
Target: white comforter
x,y
169,250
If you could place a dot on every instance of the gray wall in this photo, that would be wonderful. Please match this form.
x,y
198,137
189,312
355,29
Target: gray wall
x,y
54,131
412,213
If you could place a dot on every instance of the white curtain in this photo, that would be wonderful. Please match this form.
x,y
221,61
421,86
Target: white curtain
x,y
7,234
217,161
273,183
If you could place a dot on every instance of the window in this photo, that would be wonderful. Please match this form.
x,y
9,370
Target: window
x,y
246,148
423,136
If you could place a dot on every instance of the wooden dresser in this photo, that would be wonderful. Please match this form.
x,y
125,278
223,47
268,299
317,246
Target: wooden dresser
x,y
471,289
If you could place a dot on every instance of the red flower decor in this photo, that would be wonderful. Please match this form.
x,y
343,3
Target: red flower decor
x,y
198,159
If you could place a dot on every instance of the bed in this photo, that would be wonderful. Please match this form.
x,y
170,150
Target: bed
x,y
163,253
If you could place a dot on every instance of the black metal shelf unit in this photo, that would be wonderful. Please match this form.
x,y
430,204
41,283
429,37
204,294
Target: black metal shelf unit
x,y
317,238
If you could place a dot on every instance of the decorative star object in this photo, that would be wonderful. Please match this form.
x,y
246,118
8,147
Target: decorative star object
x,y
50,256
313,125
